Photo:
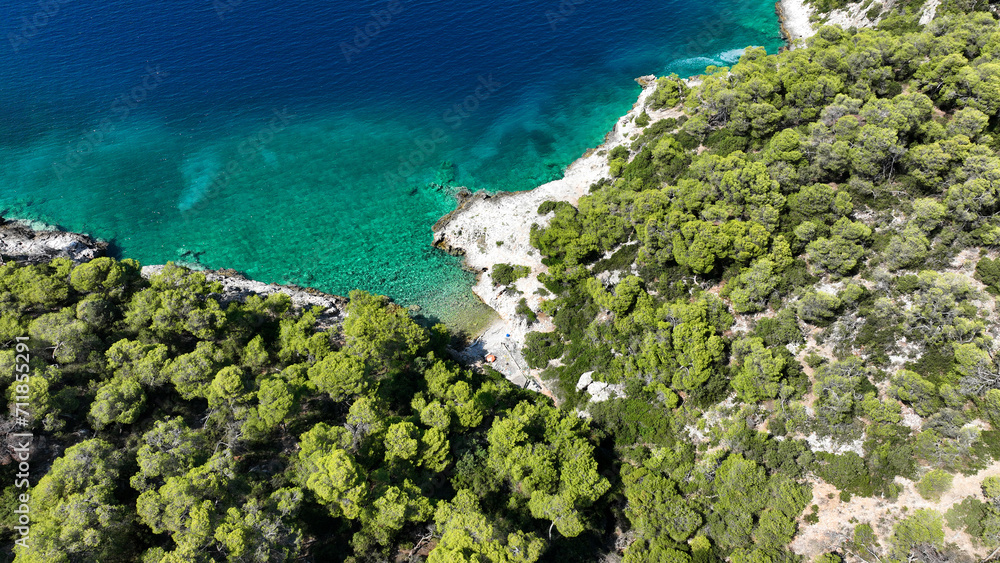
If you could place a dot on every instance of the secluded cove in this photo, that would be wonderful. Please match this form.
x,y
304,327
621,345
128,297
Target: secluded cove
x,y
254,140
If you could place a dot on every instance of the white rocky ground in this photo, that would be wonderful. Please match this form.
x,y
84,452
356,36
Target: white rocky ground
x,y
928,11
856,13
599,390
797,16
795,20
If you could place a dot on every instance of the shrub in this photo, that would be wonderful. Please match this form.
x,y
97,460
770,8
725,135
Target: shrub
x,y
988,272
525,311
540,347
670,91
780,330
686,140
924,526
846,471
814,360
546,207
616,167
818,308
864,539
724,142
874,12
642,167
935,363
633,420
505,274
934,484
654,132
968,515
908,284
622,259
618,153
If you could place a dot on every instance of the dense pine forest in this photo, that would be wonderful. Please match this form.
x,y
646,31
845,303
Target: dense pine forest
x,y
790,284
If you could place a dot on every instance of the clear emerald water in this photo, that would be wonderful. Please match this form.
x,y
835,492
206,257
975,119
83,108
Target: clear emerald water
x,y
334,119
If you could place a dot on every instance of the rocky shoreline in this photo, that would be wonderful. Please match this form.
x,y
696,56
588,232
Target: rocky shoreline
x,y
237,287
34,243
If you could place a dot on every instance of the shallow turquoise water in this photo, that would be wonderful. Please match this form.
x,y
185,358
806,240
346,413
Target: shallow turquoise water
x,y
249,140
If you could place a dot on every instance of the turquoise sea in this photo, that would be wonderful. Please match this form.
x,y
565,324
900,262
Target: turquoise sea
x,y
316,142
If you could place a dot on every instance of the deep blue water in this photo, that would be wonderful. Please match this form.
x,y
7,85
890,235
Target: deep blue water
x,y
298,140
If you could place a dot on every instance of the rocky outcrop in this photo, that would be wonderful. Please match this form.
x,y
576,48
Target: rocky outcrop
x,y
21,242
599,390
